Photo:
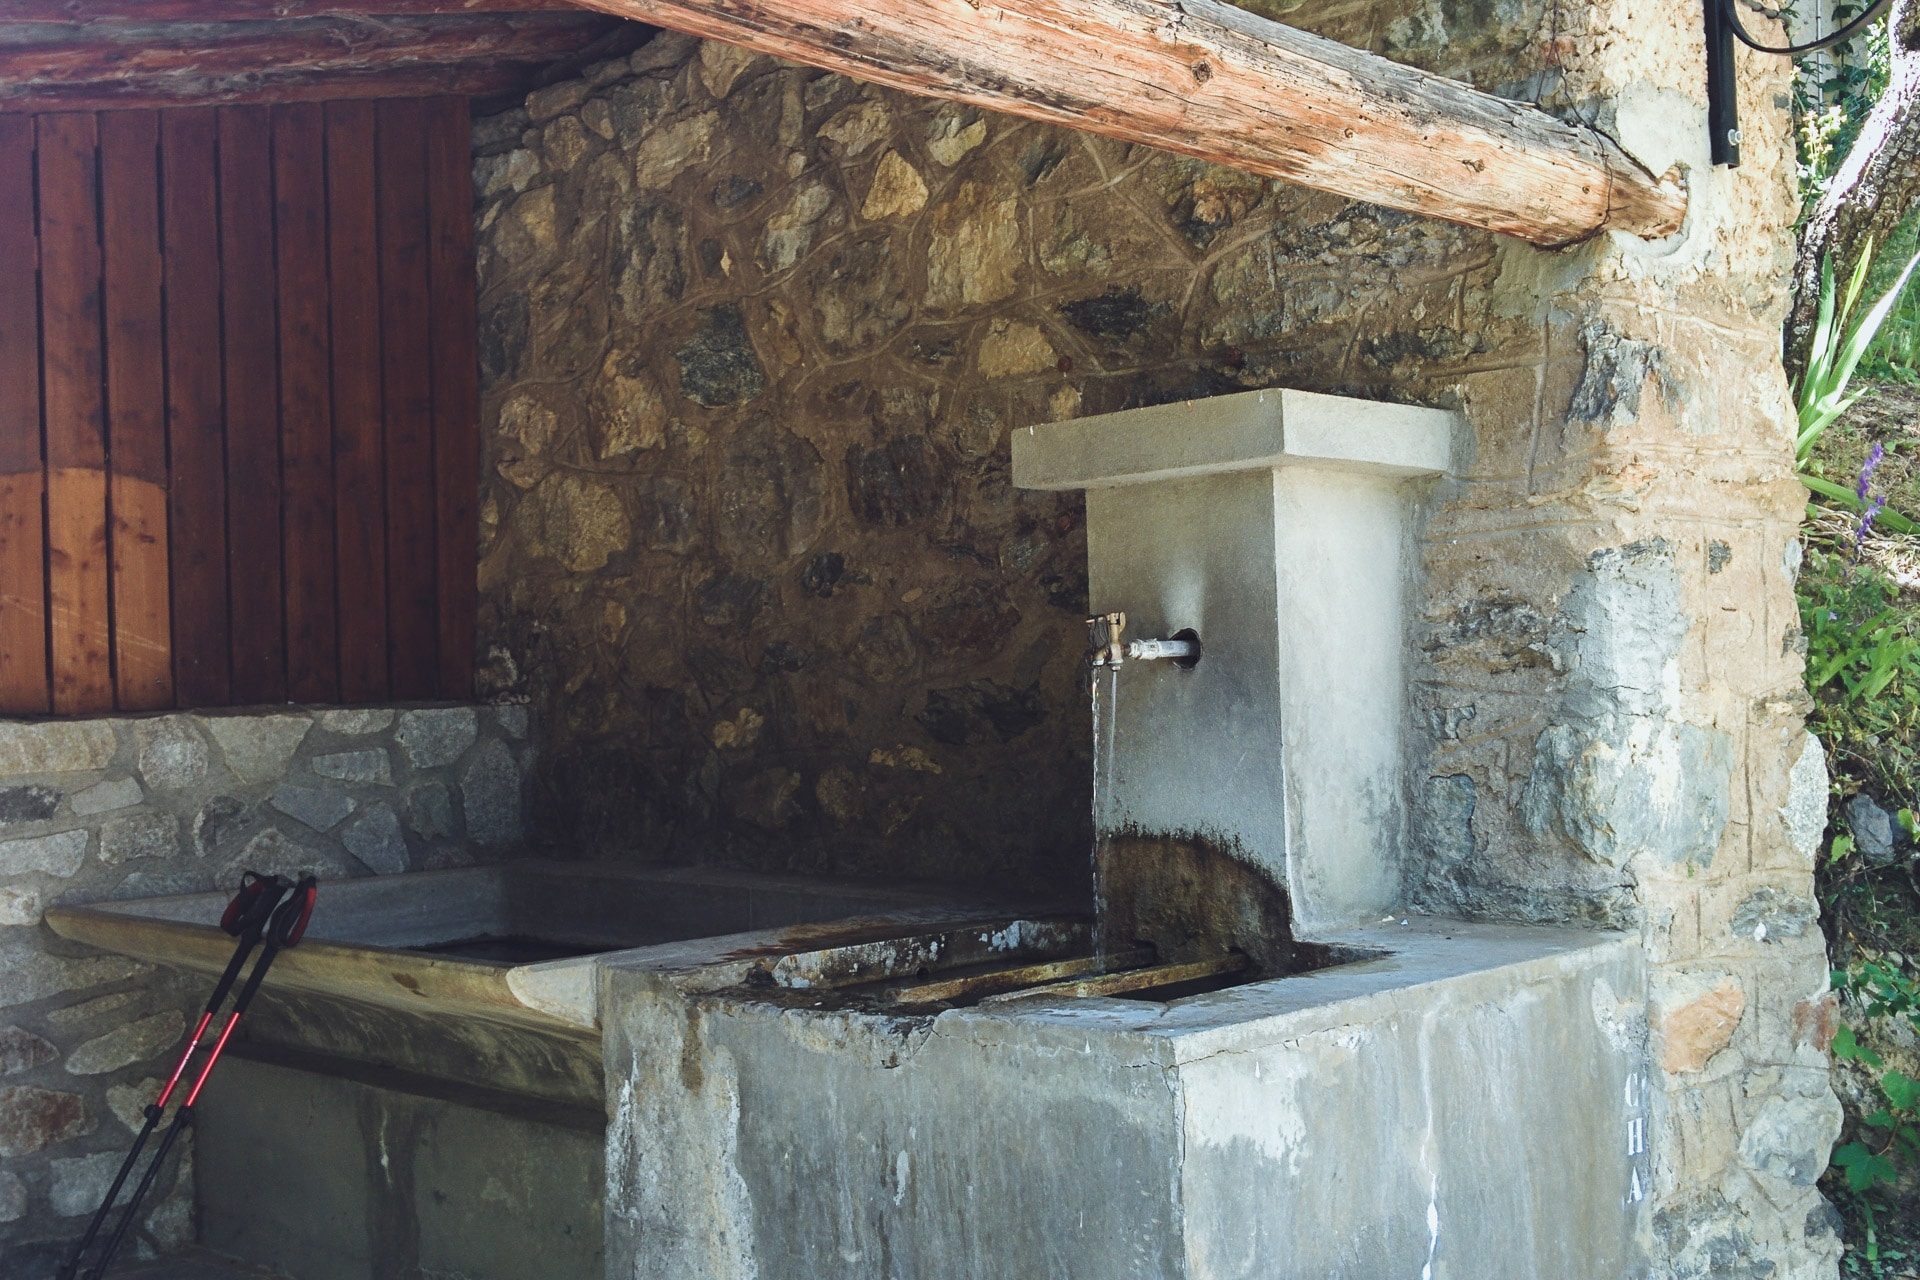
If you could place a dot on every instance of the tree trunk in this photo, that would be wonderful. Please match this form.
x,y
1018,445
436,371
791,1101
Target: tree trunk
x,y
1874,188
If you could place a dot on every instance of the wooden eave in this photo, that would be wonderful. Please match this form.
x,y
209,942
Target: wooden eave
x,y
95,54
1208,80
1195,77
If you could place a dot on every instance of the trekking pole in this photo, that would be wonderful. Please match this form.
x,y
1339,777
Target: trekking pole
x,y
284,930
245,918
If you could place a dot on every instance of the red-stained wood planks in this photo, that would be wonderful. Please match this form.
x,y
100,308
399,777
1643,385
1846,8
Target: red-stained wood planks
x,y
239,439
70,329
306,403
407,400
250,362
456,387
197,507
23,570
359,473
136,410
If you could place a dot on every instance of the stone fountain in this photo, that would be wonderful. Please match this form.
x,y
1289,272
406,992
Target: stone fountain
x,y
1265,1068
1250,1062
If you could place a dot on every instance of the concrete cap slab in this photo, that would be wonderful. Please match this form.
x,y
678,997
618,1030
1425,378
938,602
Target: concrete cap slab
x,y
1253,430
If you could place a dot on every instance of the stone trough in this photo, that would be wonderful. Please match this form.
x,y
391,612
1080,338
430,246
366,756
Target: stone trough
x,y
422,1077
1470,1100
1252,1063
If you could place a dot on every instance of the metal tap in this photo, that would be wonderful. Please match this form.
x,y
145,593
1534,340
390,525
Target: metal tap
x,y
1107,647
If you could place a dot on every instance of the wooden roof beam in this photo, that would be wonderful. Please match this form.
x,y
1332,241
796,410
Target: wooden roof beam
x,y
1205,80
150,11
127,65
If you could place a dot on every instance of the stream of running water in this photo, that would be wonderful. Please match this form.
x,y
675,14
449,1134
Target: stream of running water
x,y
1105,709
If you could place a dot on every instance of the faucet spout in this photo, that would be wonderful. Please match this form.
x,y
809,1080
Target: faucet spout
x,y
1107,645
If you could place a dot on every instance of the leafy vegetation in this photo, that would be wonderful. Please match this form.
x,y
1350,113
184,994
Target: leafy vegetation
x,y
1862,632
1858,452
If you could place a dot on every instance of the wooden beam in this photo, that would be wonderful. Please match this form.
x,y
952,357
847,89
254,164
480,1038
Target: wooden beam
x,y
1218,83
151,11
465,80
109,65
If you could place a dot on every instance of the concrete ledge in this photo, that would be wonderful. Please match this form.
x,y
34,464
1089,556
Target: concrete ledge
x,y
1252,431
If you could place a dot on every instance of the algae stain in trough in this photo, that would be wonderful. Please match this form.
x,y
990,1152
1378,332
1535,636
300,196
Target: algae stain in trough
x,y
1193,899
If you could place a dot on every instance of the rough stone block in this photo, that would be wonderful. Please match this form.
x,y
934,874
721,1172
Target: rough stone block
x,y
318,807
172,753
128,1102
354,724
91,1017
13,1198
258,748
1872,829
57,855
376,839
272,853
436,737
143,835
32,1119
21,1050
102,797
545,104
1816,1021
55,746
1770,914
512,719
220,820
578,522
430,810
170,1222
124,1046
490,796
446,857
20,905
1694,1017
372,766
166,881
1790,1137
27,804
80,1184
1805,812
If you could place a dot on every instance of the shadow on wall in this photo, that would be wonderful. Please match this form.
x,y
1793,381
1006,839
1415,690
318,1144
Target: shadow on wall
x,y
753,339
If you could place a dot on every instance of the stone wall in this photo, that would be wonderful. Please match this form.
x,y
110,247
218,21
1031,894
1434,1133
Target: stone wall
x,y
753,341
129,808
754,338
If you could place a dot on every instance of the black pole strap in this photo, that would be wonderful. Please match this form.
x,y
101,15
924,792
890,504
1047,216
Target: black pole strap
x,y
1723,27
1874,12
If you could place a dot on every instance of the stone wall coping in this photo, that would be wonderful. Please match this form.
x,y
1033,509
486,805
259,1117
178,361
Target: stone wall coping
x,y
1249,431
258,712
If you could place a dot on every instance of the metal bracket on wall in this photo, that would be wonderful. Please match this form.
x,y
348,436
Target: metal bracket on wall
x,y
1723,26
1723,92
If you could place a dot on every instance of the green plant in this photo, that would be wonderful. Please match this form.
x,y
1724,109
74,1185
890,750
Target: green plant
x,y
1857,633
1880,988
1889,1136
1833,95
1888,1139
1839,342
1895,353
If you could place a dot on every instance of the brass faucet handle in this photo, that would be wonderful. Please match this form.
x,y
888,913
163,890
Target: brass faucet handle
x,y
1106,646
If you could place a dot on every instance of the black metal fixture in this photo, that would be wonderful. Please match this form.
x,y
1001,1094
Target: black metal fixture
x,y
1723,105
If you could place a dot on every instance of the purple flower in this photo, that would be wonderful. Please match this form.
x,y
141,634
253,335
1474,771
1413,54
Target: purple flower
x,y
1861,489
1866,472
1866,522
